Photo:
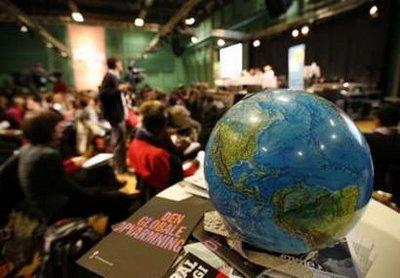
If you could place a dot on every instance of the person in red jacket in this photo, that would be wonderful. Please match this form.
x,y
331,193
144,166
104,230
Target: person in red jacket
x,y
152,154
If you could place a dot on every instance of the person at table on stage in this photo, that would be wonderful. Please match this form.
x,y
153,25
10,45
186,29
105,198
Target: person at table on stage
x,y
152,154
114,110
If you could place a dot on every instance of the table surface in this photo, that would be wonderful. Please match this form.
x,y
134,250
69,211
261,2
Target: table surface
x,y
380,225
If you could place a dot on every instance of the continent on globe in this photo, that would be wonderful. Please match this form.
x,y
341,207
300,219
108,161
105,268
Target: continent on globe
x,y
315,214
227,155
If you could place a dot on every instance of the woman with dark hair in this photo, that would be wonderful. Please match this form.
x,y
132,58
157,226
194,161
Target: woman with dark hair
x,y
49,191
152,154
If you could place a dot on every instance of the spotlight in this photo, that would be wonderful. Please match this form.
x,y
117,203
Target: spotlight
x,y
256,43
49,45
190,21
373,11
77,16
220,42
23,29
139,22
305,30
194,39
295,33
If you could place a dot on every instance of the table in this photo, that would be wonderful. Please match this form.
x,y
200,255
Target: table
x,y
379,224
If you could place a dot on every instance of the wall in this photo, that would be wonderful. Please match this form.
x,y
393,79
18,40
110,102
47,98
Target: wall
x,y
198,64
20,51
163,69
350,46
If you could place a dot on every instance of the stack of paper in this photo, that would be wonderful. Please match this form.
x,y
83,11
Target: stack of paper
x,y
98,160
197,184
363,253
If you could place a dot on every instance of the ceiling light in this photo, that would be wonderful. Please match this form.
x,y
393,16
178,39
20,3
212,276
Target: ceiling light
x,y
23,29
305,30
49,45
373,10
220,42
77,16
295,33
256,43
139,22
194,39
190,21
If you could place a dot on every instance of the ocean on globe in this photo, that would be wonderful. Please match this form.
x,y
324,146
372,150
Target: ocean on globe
x,y
288,171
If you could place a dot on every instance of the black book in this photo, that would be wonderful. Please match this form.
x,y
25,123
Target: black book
x,y
190,266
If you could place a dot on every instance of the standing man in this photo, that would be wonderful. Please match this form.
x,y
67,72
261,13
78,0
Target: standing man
x,y
113,105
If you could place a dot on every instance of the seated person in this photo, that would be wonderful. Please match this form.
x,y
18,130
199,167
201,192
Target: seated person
x,y
384,143
15,113
181,120
152,154
47,188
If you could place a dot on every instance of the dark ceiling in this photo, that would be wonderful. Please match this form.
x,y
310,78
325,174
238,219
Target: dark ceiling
x,y
154,11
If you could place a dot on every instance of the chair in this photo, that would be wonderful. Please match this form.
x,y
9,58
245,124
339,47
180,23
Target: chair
x,y
146,191
11,193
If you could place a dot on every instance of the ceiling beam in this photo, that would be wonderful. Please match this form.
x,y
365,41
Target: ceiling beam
x,y
132,6
143,11
169,26
10,9
92,20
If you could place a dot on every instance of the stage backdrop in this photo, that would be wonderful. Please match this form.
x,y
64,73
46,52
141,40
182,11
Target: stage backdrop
x,y
88,55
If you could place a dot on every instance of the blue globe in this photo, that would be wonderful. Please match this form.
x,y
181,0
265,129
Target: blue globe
x,y
288,171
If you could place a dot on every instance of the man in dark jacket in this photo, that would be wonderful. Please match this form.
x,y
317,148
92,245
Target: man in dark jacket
x,y
114,110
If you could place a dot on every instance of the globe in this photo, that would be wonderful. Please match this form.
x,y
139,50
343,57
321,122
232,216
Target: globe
x,y
288,171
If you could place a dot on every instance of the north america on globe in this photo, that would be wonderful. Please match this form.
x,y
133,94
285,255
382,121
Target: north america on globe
x,y
288,171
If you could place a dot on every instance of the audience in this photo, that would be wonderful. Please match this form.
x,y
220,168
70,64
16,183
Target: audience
x,y
15,113
62,128
88,124
152,154
48,189
47,136
181,120
59,85
33,106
